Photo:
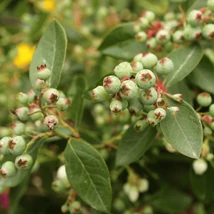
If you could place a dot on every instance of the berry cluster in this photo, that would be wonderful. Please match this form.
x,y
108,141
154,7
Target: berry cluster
x,y
35,114
176,28
136,86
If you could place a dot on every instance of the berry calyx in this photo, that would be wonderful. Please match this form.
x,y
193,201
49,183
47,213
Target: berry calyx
x,y
145,79
128,89
51,122
111,84
24,162
51,95
43,72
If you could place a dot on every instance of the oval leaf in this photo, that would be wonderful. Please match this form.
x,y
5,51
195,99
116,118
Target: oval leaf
x,y
183,130
121,43
88,174
134,144
185,60
203,75
20,175
51,51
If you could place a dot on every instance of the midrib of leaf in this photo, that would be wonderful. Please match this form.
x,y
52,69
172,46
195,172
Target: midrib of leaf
x,y
88,176
54,54
182,65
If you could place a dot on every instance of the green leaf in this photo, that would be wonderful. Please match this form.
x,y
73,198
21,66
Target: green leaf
x,y
197,5
134,144
183,130
203,75
169,200
78,87
21,174
120,42
88,174
51,51
202,185
185,60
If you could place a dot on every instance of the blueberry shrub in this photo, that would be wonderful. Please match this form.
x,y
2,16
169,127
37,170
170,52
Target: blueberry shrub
x,y
107,106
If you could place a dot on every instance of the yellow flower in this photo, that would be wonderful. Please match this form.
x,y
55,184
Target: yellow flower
x,y
24,55
47,5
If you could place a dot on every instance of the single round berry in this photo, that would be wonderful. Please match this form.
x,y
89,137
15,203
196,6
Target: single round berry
x,y
35,112
160,114
163,36
164,66
116,106
151,43
136,66
51,122
178,36
149,15
204,99
43,72
18,128
124,69
61,172
63,103
140,125
74,207
60,185
143,185
195,18
22,98
4,145
145,79
143,22
51,95
138,58
135,106
199,166
141,36
149,96
111,84
128,89
8,169
151,118
210,4
208,31
192,33
24,162
169,16
211,110
149,60
136,28
22,113
99,94
17,145
40,84
31,96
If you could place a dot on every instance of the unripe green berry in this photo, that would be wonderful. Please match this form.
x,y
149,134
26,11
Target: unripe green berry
x,y
111,84
116,106
143,185
17,145
143,22
149,96
163,36
137,28
199,166
149,60
18,128
99,94
192,33
195,18
61,172
145,79
128,89
40,84
31,96
136,66
148,108
35,112
4,142
63,103
208,31
135,105
8,169
138,57
211,110
149,15
22,113
141,36
22,98
178,36
125,104
99,109
43,72
60,185
124,69
151,43
151,118
160,114
140,125
204,99
24,162
51,122
74,207
51,95
164,66
210,4
169,16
